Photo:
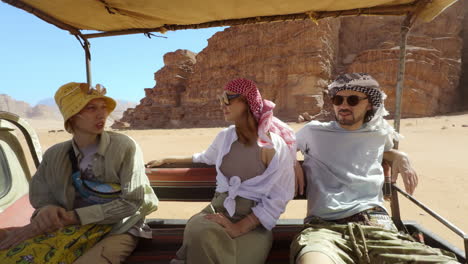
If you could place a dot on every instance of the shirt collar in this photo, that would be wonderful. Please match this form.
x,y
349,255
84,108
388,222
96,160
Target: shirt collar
x,y
103,143
76,149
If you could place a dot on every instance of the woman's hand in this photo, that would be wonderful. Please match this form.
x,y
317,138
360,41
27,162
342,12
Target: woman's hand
x,y
155,163
169,160
233,229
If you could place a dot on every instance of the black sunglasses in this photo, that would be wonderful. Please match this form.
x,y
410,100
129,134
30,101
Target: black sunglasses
x,y
226,98
351,100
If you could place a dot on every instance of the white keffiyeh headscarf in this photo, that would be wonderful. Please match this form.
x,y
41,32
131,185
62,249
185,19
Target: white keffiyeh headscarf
x,y
365,83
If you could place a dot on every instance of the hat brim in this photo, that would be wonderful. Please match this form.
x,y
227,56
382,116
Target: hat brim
x,y
110,104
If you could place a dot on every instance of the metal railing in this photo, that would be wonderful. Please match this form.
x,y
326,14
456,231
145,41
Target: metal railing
x,y
396,215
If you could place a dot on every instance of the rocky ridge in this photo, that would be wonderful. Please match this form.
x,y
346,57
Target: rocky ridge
x,y
292,62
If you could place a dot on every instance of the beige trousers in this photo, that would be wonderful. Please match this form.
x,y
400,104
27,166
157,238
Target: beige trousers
x,y
207,242
113,249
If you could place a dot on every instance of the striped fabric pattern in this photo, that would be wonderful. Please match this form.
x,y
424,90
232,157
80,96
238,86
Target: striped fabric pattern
x,y
118,160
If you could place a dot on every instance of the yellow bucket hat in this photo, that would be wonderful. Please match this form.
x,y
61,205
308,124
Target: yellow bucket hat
x,y
72,97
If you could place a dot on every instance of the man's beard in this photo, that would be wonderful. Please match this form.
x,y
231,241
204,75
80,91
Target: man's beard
x,y
350,119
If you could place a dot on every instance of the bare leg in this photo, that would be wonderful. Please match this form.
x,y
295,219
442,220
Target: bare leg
x,y
314,258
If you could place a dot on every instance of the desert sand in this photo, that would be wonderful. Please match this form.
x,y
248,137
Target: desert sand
x,y
437,146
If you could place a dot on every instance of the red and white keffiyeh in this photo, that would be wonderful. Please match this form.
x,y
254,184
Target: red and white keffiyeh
x,y
262,110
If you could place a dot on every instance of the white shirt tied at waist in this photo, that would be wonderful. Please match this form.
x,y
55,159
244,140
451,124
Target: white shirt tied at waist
x,y
272,190
232,188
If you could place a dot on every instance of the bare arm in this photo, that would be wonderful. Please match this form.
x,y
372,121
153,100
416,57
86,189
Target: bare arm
x,y
400,164
48,219
169,160
392,154
299,175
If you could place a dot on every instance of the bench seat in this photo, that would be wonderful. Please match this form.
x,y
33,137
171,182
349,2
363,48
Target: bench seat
x,y
197,182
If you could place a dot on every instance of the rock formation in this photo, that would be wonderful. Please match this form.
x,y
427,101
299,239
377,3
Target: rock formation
x,y
293,74
163,103
292,62
464,76
433,65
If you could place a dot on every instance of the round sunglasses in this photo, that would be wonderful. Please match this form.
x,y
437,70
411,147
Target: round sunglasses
x,y
351,100
225,99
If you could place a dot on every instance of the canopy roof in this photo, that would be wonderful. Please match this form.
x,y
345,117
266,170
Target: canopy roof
x,y
117,17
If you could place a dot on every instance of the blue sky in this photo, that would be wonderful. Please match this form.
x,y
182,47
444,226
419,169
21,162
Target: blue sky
x,y
37,57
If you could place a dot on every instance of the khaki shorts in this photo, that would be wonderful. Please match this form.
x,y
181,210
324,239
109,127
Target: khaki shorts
x,y
113,249
372,241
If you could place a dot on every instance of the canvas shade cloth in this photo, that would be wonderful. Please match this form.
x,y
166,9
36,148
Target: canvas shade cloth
x,y
112,15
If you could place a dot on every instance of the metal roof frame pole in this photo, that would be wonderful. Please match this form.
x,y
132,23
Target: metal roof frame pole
x,y
88,62
86,46
404,30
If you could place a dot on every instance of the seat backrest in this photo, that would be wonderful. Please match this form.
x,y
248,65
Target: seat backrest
x,y
185,182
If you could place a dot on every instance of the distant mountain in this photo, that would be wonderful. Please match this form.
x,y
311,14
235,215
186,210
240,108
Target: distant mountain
x,y
11,105
23,109
41,111
47,101
47,109
122,105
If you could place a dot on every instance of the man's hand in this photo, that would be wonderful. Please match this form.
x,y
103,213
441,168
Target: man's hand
x,y
299,181
51,218
71,218
233,229
401,165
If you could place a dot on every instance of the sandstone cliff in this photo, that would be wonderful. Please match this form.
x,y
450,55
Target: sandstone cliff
x,y
292,62
433,65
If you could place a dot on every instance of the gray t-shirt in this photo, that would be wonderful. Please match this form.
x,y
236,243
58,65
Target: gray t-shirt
x,y
343,168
